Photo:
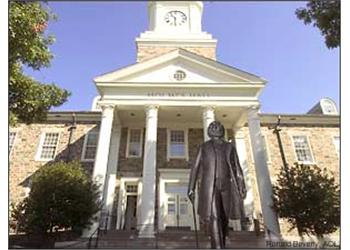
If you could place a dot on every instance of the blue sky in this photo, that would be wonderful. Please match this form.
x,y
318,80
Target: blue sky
x,y
263,38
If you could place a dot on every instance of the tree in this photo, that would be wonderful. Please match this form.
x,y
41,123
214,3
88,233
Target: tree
x,y
324,14
29,100
62,196
309,199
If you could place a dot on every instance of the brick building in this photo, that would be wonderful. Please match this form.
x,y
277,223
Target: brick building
x,y
142,134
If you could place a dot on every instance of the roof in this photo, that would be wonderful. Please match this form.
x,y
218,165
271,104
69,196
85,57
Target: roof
x,y
114,76
266,119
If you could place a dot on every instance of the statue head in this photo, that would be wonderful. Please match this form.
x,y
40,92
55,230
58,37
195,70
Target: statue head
x,y
216,130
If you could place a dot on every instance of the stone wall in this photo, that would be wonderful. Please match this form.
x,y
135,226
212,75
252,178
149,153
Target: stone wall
x,y
145,52
22,163
322,147
128,167
132,167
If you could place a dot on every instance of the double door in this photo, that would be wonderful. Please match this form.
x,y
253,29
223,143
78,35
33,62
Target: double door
x,y
178,210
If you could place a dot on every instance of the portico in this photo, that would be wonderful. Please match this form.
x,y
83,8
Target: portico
x,y
166,102
188,104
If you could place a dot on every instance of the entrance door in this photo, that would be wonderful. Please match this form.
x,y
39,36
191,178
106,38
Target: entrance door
x,y
130,213
177,206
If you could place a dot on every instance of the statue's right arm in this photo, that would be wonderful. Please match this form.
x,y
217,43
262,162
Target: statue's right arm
x,y
194,173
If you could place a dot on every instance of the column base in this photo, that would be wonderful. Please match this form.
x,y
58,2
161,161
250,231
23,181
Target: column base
x,y
147,231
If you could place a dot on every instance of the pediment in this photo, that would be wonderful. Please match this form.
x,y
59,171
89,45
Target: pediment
x,y
171,67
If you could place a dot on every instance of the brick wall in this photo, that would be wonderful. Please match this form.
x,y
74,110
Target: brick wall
x,y
22,163
145,52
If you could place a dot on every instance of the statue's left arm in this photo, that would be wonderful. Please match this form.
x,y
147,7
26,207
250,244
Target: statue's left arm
x,y
238,172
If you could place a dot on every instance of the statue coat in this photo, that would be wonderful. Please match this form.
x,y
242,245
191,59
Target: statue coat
x,y
204,169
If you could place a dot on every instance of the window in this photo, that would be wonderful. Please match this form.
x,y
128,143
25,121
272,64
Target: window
x,y
134,146
336,140
131,188
302,149
12,137
177,144
48,146
90,146
329,107
171,206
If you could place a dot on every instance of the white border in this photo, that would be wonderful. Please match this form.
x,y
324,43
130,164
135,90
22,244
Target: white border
x,y
185,156
14,140
41,141
313,162
336,144
128,142
82,158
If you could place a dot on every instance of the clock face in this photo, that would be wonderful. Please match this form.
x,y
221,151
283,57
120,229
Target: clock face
x,y
175,18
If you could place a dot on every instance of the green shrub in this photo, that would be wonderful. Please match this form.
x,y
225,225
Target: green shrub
x,y
62,196
309,199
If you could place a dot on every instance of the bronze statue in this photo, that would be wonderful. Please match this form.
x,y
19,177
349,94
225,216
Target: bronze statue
x,y
221,184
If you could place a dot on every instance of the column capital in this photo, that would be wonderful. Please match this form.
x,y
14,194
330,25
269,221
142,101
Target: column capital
x,y
107,110
253,111
107,106
254,108
208,107
151,110
151,106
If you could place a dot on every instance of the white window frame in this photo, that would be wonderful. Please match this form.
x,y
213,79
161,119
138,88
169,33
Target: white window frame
x,y
83,159
313,162
40,146
128,142
336,145
185,156
14,141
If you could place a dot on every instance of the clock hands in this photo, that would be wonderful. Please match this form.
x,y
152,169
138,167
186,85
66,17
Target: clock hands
x,y
175,18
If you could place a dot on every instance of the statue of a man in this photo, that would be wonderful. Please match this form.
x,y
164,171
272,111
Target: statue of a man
x,y
221,185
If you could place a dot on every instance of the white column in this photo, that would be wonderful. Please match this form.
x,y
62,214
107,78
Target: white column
x,y
262,173
149,174
242,155
100,167
208,117
112,169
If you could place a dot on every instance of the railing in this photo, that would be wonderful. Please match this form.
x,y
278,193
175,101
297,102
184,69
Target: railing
x,y
260,225
104,218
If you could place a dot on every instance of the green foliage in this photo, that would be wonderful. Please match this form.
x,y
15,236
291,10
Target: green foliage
x,y
62,196
29,100
324,14
309,199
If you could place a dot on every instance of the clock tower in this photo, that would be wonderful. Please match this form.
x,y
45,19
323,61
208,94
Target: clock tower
x,y
175,24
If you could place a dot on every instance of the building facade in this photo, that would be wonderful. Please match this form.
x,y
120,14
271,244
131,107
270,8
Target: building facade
x,y
141,137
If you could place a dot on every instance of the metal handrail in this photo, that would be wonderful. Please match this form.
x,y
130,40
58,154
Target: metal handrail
x,y
98,229
91,236
265,228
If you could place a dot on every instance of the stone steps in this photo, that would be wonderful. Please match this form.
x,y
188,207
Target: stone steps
x,y
175,239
